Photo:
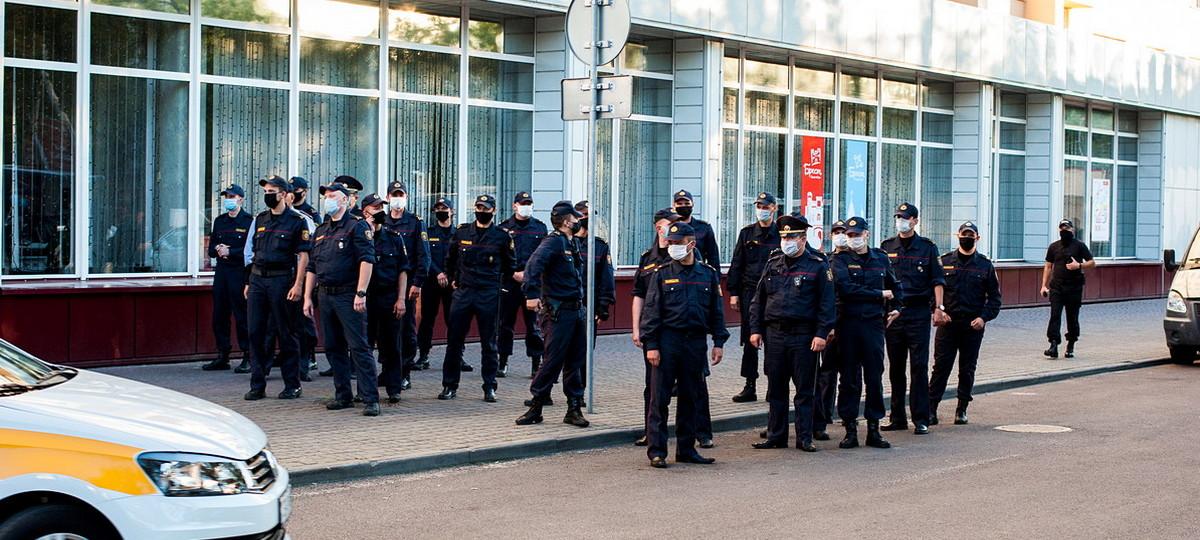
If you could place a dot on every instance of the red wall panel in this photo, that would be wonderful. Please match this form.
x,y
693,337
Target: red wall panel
x,y
101,327
165,325
39,325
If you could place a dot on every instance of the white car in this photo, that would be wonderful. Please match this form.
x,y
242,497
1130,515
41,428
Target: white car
x,y
85,455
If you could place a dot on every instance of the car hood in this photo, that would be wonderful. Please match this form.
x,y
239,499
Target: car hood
x,y
111,409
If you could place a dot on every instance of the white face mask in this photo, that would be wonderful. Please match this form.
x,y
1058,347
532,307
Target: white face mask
x,y
677,251
857,243
762,214
525,210
903,225
840,240
790,247
331,205
398,203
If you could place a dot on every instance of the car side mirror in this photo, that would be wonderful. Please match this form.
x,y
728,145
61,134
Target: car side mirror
x,y
1169,260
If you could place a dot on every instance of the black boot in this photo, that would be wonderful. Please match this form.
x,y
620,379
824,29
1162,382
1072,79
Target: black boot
x,y
895,424
851,438
503,371
535,362
874,438
312,362
546,401
1070,350
422,363
574,414
749,393
641,441
933,420
326,372
244,366
1052,352
220,363
960,414
304,375
467,367
532,416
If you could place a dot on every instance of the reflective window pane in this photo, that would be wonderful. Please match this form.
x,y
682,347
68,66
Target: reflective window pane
x,y
1012,105
499,152
1074,199
1127,202
813,81
337,136
139,43
653,55
1010,222
729,105
423,72
39,171
937,128
423,150
652,96
856,191
39,33
859,86
643,185
729,69
1076,143
938,95
243,53
814,114
1127,148
340,19
1076,116
1102,146
1012,136
139,180
167,6
726,222
1102,119
339,63
858,119
1100,234
765,157
936,198
511,35
501,80
276,12
899,124
766,109
898,182
407,24
1128,121
766,74
899,93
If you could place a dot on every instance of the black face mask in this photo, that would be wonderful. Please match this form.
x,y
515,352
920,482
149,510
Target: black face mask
x,y
272,200
966,242
576,227
1066,236
483,217
684,211
378,217
299,199
442,216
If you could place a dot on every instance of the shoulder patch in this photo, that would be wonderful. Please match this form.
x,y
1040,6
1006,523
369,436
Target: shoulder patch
x,y
829,274
425,236
369,234
304,235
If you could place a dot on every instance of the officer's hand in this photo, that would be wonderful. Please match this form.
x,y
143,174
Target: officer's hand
x,y
717,354
222,250
978,323
443,281
1073,265
652,357
831,335
453,284
519,277
733,304
533,304
888,295
414,292
1045,292
308,308
818,344
637,339
360,304
246,292
756,340
892,316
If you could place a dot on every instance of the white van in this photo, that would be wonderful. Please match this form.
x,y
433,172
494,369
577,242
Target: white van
x,y
1182,321
85,455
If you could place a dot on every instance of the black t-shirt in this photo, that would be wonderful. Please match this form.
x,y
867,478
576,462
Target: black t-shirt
x,y
1059,254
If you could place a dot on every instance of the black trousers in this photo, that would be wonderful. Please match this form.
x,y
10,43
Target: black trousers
x,y
749,352
408,334
383,328
827,375
481,305
306,332
229,299
682,358
955,339
268,309
861,347
433,298
1070,301
566,349
346,331
789,360
512,302
908,351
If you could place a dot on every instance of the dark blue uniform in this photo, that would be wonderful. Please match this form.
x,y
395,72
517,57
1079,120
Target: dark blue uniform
x,y
309,211
305,327
277,241
972,291
412,229
683,306
606,285
793,303
383,328
479,261
648,264
859,281
339,248
827,375
554,274
706,242
229,281
527,235
918,268
433,295
754,246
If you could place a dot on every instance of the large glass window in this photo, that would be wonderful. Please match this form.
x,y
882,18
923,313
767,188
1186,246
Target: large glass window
x,y
38,33
1100,177
936,198
273,12
1008,170
139,43
167,6
337,136
499,152
645,185
423,150
423,72
898,184
231,52
339,63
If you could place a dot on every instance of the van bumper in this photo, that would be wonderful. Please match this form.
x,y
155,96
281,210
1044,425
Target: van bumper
x,y
1183,329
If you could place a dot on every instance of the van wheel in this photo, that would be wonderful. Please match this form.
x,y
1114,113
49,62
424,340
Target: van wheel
x,y
1182,354
55,522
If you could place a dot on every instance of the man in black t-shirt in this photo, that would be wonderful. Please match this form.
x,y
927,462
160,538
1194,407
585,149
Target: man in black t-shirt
x,y
1062,283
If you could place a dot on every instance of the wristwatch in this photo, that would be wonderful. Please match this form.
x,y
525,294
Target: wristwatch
x,y
941,307
361,294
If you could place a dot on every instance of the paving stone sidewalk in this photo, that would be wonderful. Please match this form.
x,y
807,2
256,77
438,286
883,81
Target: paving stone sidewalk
x,y
306,437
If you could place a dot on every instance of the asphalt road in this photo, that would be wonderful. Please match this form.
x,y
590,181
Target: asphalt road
x,y
1130,468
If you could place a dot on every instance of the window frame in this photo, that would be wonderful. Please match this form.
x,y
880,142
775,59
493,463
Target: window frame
x,y
1112,160
997,151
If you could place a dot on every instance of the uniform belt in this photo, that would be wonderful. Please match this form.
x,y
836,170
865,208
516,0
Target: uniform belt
x,y
328,289
271,272
793,327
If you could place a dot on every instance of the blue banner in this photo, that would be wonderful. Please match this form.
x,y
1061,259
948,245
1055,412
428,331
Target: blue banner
x,y
856,179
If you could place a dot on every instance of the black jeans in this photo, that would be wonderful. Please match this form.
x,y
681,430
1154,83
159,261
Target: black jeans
x,y
749,352
566,347
384,329
229,300
269,309
481,305
827,376
1070,301
682,356
346,331
860,342
955,339
787,360
908,351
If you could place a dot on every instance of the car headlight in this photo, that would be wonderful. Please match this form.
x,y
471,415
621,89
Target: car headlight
x,y
1175,303
194,475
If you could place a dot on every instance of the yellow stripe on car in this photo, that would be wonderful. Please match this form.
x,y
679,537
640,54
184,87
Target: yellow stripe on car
x,y
105,465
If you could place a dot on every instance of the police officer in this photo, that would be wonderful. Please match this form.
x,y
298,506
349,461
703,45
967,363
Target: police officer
x,y
436,293
300,198
916,261
683,305
972,299
606,286
353,186
866,289
386,302
1062,282
305,328
553,287
755,242
278,254
648,264
827,375
706,240
480,258
226,244
339,271
792,311
527,233
409,227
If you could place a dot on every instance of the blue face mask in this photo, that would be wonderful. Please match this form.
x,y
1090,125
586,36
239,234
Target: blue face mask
x,y
230,205
330,206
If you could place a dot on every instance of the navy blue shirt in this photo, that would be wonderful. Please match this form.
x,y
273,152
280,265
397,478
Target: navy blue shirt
x,y
918,267
684,298
480,258
391,258
650,261
233,232
859,281
797,292
555,270
416,244
527,235
278,239
439,244
309,211
706,243
606,283
338,248
750,254
972,289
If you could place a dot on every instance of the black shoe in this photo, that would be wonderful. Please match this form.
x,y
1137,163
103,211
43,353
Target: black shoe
x,y
448,393
747,394
920,429
393,398
658,462
1052,352
694,457
933,419
489,395
304,376
546,401
254,395
502,373
806,446
326,373
705,443
337,405
290,393
422,363
243,367
312,364
851,438
574,414
1070,350
821,435
532,416
535,363
372,409
762,434
641,441
405,384
960,417
894,425
219,364
467,367
874,438
358,399
767,445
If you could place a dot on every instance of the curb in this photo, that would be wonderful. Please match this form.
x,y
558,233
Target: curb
x,y
622,436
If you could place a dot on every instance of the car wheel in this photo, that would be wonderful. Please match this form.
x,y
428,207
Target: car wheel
x,y
1182,355
55,522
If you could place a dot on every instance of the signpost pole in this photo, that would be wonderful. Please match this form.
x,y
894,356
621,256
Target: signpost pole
x,y
590,319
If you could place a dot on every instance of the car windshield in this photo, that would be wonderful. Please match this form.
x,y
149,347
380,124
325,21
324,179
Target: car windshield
x,y
21,372
1193,254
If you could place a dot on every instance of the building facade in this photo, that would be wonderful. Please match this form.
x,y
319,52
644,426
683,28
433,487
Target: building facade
x,y
123,119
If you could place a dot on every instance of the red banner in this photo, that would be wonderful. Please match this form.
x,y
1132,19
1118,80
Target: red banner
x,y
812,187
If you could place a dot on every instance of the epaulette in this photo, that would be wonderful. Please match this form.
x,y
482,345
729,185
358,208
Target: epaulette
x,y
774,254
463,225
709,266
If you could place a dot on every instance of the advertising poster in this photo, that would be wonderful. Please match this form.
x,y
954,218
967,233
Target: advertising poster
x,y
1101,209
856,179
812,188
